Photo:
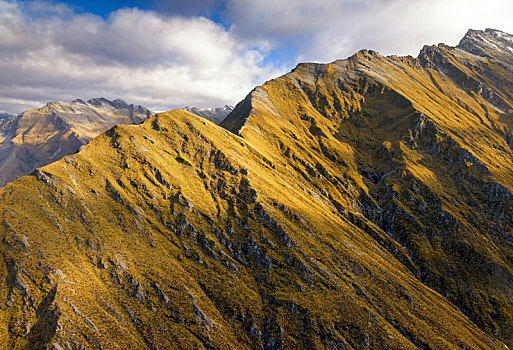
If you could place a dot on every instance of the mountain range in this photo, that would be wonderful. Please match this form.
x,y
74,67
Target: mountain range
x,y
214,114
41,136
364,203
5,115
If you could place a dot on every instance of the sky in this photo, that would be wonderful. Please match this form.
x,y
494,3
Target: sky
x,y
206,53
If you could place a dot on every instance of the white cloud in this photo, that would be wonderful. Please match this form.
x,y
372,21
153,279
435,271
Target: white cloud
x,y
161,62
325,30
49,52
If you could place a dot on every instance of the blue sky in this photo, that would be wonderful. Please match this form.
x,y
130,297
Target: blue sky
x,y
165,54
104,8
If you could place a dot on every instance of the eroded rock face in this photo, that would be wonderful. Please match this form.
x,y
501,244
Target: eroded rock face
x,y
41,136
360,204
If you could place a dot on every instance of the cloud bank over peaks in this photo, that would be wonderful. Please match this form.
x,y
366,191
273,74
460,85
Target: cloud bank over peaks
x,y
325,30
141,56
208,52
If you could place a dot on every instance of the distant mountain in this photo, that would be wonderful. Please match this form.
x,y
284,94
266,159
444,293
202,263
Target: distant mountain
x,y
6,115
362,204
41,136
215,115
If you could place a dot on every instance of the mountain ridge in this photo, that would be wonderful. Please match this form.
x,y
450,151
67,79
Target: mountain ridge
x,y
191,208
364,203
448,88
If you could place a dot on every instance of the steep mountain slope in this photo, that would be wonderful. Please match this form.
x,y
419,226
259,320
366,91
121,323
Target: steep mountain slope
x,y
215,115
178,233
360,204
5,115
41,136
426,143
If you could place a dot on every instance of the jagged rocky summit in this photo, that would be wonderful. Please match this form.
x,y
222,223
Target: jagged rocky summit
x,y
214,114
41,136
361,204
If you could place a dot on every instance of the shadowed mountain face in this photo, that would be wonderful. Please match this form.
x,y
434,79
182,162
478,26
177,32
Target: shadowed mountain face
x,y
41,136
360,204
215,115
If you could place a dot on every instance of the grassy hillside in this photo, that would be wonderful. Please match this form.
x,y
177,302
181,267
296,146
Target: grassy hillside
x,y
360,204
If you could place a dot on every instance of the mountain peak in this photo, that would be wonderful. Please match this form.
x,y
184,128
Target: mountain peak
x,y
476,33
99,101
487,43
214,114
55,104
119,103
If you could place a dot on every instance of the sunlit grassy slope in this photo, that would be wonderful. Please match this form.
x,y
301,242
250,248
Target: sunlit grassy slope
x,y
361,204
